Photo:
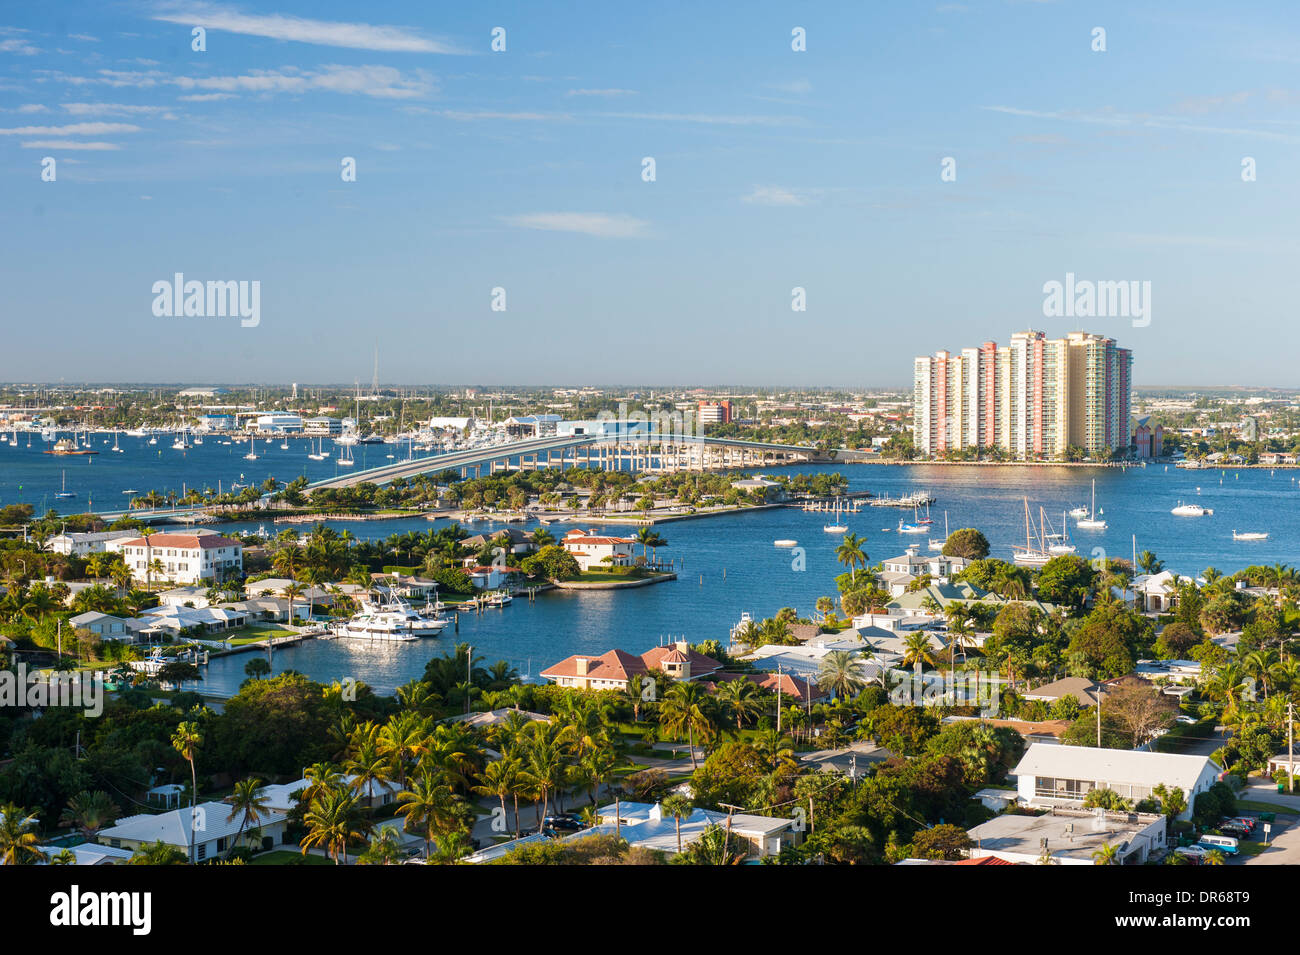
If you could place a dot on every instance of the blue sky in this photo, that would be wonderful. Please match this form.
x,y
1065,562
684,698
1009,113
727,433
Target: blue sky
x,y
522,170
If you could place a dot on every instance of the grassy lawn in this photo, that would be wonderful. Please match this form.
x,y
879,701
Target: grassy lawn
x,y
248,635
284,857
1252,805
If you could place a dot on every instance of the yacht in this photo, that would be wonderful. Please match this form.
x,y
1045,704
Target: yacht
x,y
784,542
1191,510
393,620
1249,536
498,599
1093,521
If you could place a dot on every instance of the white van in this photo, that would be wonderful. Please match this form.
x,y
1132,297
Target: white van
x,y
1223,843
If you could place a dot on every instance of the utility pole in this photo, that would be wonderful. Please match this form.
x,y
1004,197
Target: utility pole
x,y
1099,716
778,710
469,672
1290,746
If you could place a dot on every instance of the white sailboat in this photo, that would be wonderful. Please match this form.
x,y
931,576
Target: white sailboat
x,y
65,492
117,449
345,460
837,526
1092,522
1057,543
1034,553
938,544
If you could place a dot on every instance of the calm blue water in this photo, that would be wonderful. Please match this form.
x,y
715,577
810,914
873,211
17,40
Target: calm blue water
x,y
730,563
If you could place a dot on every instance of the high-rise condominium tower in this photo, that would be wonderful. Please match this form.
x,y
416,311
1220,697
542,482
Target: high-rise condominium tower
x,y
1034,398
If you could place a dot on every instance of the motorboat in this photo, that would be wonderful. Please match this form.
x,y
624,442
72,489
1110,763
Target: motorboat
x,y
1191,510
393,620
1249,536
785,543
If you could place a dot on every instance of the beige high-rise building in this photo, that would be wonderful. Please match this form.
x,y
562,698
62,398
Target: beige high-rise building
x,y
1035,398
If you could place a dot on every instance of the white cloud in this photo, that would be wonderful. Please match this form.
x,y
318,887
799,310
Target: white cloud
x,y
354,36
706,118
384,82
467,116
17,45
794,86
70,144
75,129
84,37
116,109
773,196
206,97
607,92
597,224
33,108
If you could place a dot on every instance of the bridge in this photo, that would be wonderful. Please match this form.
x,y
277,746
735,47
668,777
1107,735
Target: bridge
x,y
608,452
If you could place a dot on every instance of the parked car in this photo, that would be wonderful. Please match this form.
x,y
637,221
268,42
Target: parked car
x,y
1196,855
1236,830
564,823
1186,720
1250,822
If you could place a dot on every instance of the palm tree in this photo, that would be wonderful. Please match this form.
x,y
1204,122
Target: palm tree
x,y
368,762
841,673
678,806
685,711
742,698
1106,855
249,802
851,555
917,651
385,848
89,812
778,749
157,853
404,738
186,741
18,838
1148,563
63,857
501,778
333,819
431,804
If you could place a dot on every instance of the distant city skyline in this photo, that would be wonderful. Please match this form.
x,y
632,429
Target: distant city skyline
x,y
386,177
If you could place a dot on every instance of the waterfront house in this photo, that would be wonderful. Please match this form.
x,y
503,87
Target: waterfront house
x,y
214,832
1050,775
175,619
590,549
278,587
616,669
795,688
510,539
185,558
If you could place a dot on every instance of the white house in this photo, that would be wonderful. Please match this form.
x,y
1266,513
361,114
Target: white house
x,y
102,625
648,826
185,558
1154,593
590,549
1070,836
1063,775
79,545
214,832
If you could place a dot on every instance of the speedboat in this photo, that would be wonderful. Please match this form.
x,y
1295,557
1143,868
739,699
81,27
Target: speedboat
x,y
1191,510
785,543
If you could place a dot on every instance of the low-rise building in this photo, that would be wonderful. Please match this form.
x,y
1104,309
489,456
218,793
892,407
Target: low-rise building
x,y
81,544
1049,776
105,626
590,549
616,669
1070,836
214,833
184,558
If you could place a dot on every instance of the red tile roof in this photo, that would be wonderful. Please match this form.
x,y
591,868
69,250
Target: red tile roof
x,y
205,541
615,665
